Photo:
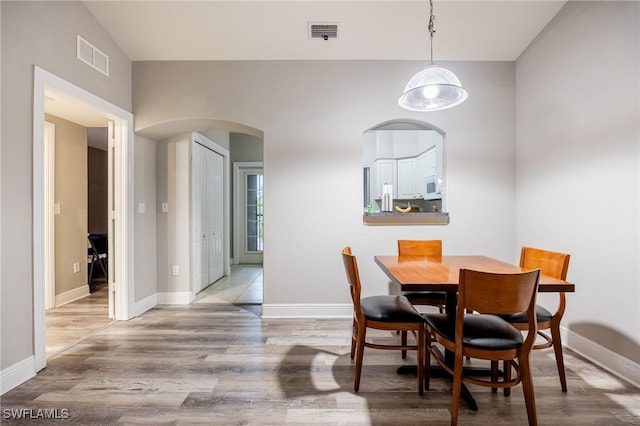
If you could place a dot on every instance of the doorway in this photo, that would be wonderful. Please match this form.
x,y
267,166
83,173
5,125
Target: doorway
x,y
120,124
249,208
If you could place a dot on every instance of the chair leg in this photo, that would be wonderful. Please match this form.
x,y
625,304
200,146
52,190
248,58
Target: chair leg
x,y
91,270
557,348
104,270
420,359
507,377
527,389
494,374
427,360
457,389
362,331
354,334
403,342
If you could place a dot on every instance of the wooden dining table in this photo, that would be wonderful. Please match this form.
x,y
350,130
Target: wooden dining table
x,y
441,273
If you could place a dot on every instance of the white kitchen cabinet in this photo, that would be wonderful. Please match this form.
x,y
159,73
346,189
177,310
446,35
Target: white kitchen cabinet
x,y
406,178
386,171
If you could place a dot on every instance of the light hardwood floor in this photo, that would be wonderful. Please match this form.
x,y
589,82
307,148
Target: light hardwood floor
x,y
222,364
68,324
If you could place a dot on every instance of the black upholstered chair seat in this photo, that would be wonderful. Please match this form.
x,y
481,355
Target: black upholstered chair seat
x,y
542,315
389,309
482,331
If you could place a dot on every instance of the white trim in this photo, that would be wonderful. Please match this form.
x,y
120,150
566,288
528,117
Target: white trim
x,y
123,257
72,295
308,310
49,148
16,374
174,298
237,169
145,304
614,363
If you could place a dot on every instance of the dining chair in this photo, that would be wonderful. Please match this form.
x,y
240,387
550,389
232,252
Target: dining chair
x,y
430,249
383,312
97,254
484,335
555,265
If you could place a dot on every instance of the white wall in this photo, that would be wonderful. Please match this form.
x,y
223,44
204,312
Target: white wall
x,y
313,115
578,98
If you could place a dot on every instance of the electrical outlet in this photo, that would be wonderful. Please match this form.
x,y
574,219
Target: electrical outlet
x,y
76,267
165,207
176,270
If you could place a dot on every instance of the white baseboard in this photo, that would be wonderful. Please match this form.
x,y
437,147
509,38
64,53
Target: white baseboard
x,y
311,310
72,295
17,374
174,298
144,305
614,363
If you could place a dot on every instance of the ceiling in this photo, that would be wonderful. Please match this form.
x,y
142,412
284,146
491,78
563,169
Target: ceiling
x,y
167,30
471,30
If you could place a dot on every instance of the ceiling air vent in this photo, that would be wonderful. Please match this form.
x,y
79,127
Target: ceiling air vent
x,y
92,56
323,31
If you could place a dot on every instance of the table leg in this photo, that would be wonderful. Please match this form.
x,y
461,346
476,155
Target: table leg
x,y
451,302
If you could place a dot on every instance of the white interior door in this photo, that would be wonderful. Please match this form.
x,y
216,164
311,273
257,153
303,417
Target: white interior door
x,y
199,277
215,209
111,206
208,216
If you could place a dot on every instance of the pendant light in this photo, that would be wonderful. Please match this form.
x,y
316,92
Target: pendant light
x,y
434,88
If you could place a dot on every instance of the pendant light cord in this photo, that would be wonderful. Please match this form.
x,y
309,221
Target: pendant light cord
x,y
432,31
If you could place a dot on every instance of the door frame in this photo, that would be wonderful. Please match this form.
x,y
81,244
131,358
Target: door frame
x,y
49,213
122,213
238,205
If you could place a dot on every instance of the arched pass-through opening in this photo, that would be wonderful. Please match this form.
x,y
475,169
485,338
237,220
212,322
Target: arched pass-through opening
x,y
235,143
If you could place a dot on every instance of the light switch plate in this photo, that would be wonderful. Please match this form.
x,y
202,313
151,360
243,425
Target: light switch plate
x,y
140,207
165,207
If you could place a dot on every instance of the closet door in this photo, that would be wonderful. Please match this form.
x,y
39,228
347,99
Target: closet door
x,y
207,204
199,217
215,215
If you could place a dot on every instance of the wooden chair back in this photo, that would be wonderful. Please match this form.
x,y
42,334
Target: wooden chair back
x,y
428,248
353,277
550,263
499,294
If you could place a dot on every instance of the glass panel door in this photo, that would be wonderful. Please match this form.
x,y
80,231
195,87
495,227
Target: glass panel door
x,y
254,213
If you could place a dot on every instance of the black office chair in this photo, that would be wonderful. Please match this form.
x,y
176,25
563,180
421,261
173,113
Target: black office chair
x,y
97,254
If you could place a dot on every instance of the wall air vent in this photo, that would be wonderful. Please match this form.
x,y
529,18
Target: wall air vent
x,y
92,56
323,31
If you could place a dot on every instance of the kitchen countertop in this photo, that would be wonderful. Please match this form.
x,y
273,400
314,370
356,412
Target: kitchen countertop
x,y
412,218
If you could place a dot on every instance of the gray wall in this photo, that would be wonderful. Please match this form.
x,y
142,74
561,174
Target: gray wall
x,y
144,226
313,115
578,135
42,34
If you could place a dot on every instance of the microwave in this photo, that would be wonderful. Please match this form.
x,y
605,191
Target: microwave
x,y
433,188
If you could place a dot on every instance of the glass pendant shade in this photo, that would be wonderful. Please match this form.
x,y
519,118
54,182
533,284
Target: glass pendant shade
x,y
432,89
